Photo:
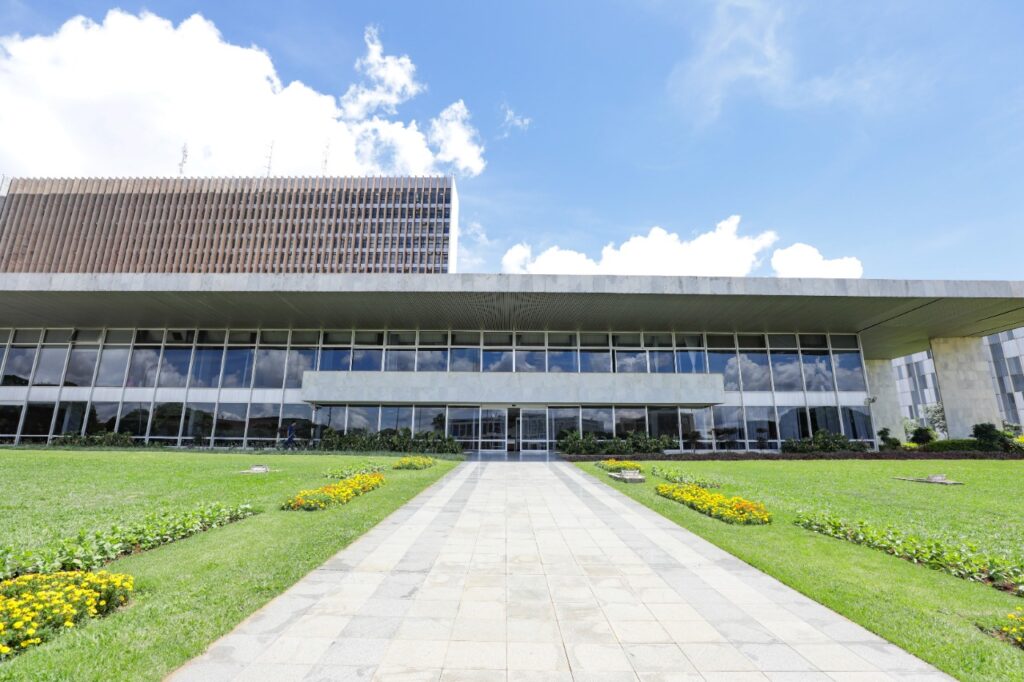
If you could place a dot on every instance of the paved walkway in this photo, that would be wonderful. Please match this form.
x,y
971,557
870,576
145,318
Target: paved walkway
x,y
535,571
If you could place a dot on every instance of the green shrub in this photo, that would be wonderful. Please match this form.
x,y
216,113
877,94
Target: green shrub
x,y
348,472
636,443
390,440
104,439
963,560
886,441
677,476
617,465
414,462
922,435
957,445
823,441
89,550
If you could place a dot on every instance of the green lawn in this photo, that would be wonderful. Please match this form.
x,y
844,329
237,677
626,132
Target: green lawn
x,y
929,613
189,592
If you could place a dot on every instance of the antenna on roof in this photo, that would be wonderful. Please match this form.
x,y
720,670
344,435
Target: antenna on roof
x,y
327,155
270,157
184,158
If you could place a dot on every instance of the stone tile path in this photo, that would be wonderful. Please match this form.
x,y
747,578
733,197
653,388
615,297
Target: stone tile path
x,y
534,571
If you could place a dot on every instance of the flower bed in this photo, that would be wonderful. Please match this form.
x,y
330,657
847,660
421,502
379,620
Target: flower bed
x,y
1013,630
616,465
676,476
341,492
728,509
962,561
35,607
414,462
368,468
87,551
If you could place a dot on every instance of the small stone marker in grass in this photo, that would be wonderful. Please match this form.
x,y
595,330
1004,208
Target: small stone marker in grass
x,y
628,476
938,479
258,469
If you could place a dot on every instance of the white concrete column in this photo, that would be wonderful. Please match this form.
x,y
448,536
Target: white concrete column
x,y
885,409
965,384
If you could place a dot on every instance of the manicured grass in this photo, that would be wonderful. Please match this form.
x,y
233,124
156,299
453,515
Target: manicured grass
x,y
931,614
192,591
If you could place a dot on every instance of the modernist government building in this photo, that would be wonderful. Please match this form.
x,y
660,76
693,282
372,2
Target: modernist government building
x,y
214,312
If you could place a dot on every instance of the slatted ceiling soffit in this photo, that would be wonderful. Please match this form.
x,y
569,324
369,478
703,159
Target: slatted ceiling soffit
x,y
226,225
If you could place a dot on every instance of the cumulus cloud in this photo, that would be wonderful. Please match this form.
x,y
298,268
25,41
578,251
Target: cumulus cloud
x,y
722,252
803,260
513,121
124,96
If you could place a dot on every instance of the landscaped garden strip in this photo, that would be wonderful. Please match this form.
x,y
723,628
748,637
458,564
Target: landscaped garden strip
x,y
36,607
616,465
347,472
414,462
1013,630
962,561
676,476
89,550
728,509
341,492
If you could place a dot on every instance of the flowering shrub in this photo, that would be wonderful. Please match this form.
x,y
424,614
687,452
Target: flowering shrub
x,y
728,509
615,465
329,495
962,561
676,476
87,551
414,462
35,607
1014,628
368,468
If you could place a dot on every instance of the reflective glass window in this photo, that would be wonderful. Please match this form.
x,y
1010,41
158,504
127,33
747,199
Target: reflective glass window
x,y
690,361
305,337
593,339
598,421
857,422
81,366
497,339
689,341
401,338
271,337
465,338
142,369
154,336
335,359
817,371
238,366
562,361
721,341
750,341
658,340
793,423
754,372
464,425
726,364
395,417
18,368
367,359
330,417
843,341
206,367
563,420
629,420
465,360
663,421
849,371
263,421
595,361
88,335
497,361
299,415
10,416
363,418
241,337
530,339
181,336
662,361
626,340
782,341
337,338
429,418
208,336
433,338
561,339
432,360
70,418
134,419
102,418
813,341
299,360
38,417
269,368
50,365
166,420
695,427
174,366
729,428
113,361
531,361
630,361
198,427
400,360
31,336
231,420
824,419
786,371
761,427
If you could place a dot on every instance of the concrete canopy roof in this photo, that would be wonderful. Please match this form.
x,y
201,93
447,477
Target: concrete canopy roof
x,y
894,317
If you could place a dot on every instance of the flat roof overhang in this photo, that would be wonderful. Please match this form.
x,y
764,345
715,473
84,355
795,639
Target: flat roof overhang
x,y
894,317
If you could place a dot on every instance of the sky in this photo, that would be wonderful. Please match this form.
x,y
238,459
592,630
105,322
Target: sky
x,y
708,137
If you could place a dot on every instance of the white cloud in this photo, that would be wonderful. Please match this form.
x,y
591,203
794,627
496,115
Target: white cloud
x,y
123,96
721,251
803,260
513,121
473,247
746,50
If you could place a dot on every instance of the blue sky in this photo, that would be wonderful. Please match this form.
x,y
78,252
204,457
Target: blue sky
x,y
889,132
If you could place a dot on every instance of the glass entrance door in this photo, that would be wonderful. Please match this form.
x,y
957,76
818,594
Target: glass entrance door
x,y
533,429
493,430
